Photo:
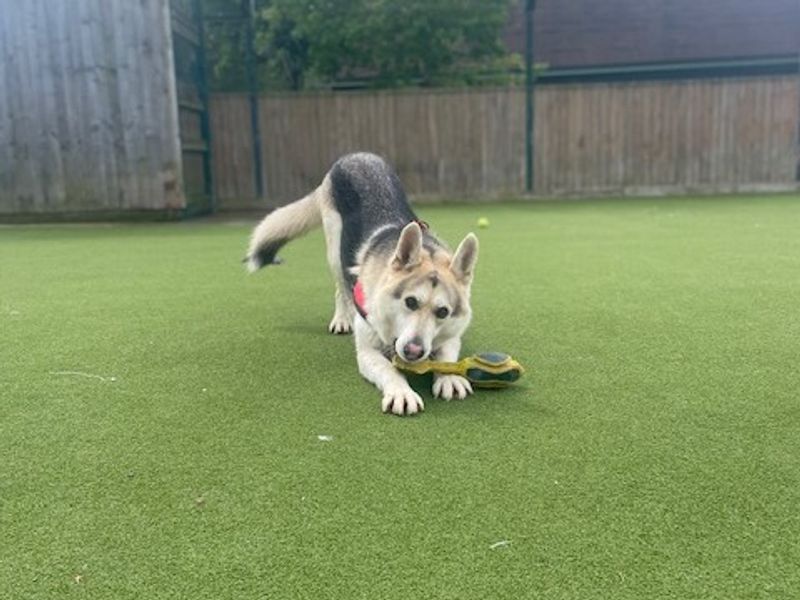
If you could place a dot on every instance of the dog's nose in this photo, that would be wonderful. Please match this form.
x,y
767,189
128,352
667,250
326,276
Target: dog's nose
x,y
413,350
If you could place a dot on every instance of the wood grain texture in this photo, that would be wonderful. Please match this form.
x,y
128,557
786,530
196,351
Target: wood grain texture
x,y
88,115
608,138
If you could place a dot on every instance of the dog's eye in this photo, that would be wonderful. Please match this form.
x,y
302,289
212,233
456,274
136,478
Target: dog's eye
x,y
412,303
441,312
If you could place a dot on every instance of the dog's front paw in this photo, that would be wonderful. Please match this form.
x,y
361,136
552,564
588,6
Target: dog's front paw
x,y
448,386
401,400
340,325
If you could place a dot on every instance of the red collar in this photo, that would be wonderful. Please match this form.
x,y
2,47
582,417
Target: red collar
x,y
360,299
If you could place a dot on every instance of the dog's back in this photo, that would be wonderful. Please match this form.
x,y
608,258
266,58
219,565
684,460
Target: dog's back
x,y
368,195
362,188
367,192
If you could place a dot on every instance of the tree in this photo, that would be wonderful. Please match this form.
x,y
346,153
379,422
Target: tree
x,y
388,42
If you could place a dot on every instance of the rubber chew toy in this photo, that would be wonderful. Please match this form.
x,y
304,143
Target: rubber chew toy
x,y
486,370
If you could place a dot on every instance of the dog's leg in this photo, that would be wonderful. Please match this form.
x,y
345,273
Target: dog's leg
x,y
398,397
344,311
449,386
342,321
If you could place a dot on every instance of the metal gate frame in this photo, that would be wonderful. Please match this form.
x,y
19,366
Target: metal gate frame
x,y
244,18
189,56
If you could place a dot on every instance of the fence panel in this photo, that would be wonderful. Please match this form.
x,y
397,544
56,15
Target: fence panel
x,y
88,121
602,138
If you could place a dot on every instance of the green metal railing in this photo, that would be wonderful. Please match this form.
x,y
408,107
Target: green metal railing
x,y
188,39
530,5
244,18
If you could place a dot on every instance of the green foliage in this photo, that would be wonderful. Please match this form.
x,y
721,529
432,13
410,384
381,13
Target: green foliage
x,y
308,43
225,43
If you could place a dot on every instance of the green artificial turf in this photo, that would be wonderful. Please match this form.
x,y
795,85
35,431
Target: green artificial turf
x,y
653,450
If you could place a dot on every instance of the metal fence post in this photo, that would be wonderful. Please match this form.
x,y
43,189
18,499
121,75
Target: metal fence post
x,y
252,80
202,85
529,99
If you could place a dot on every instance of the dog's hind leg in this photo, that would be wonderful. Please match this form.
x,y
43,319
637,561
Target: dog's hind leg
x,y
344,310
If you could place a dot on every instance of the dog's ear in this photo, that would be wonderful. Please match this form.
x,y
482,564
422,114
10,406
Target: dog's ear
x,y
408,247
463,263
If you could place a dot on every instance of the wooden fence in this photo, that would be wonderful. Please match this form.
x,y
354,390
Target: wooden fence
x,y
88,115
608,138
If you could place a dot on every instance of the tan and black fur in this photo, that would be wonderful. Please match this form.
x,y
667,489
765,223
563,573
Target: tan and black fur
x,y
416,290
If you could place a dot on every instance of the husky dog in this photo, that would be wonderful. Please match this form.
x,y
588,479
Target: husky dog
x,y
399,288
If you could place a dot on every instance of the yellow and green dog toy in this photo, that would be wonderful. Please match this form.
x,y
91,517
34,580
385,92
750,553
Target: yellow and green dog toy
x,y
485,370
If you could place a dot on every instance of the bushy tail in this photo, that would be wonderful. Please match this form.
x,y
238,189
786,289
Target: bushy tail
x,y
281,226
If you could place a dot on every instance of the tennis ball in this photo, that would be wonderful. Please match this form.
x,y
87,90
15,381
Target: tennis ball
x,y
483,222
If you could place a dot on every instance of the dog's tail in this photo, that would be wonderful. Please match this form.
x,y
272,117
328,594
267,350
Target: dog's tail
x,y
280,227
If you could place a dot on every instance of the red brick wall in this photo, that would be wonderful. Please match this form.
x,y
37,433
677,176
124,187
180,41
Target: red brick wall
x,y
597,32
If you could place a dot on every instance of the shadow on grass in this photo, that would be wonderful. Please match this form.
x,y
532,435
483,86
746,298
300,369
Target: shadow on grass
x,y
514,402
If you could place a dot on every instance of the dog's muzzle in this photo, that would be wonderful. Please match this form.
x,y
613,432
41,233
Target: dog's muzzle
x,y
413,350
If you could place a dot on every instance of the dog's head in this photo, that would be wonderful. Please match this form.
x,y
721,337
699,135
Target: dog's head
x,y
423,298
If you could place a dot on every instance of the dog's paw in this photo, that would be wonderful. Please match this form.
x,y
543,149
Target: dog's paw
x,y
401,400
449,386
340,325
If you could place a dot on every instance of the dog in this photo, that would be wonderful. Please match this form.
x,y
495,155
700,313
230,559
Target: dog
x,y
398,288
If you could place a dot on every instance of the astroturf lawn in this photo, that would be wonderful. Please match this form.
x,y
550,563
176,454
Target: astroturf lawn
x,y
160,415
